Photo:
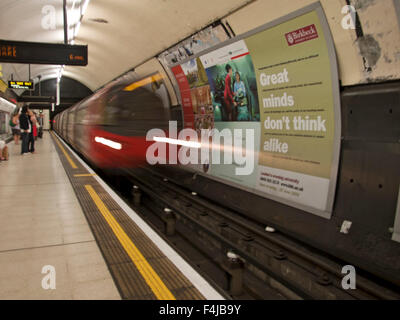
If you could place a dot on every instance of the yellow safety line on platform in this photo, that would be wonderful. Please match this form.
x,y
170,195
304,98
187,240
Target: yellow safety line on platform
x,y
150,276
71,162
85,175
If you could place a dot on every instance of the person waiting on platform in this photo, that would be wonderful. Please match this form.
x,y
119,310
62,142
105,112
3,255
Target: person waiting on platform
x,y
33,132
36,125
3,151
26,128
16,131
40,125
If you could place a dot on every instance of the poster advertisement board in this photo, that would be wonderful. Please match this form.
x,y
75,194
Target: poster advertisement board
x,y
280,83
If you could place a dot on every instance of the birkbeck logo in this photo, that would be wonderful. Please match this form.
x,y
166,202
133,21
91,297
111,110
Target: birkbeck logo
x,y
301,35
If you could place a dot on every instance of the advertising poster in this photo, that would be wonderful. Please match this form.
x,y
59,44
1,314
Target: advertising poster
x,y
295,94
196,100
280,82
200,41
297,118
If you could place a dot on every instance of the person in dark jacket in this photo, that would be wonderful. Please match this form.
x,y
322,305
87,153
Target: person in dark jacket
x,y
25,126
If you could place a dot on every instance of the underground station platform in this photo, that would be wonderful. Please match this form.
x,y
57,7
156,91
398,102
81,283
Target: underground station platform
x,y
58,217
247,155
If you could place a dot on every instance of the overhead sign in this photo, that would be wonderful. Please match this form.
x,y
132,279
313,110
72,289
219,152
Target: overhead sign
x,y
43,53
283,82
28,85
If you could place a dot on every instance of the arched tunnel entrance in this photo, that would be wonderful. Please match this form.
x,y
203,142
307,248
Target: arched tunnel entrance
x,y
44,94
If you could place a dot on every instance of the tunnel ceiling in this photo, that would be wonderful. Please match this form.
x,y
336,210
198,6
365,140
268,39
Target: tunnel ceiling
x,y
120,34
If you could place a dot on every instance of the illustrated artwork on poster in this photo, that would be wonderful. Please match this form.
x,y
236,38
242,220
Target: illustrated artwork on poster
x,y
233,85
200,94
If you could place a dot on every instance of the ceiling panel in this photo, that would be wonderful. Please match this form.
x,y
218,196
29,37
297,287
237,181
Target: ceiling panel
x,y
120,34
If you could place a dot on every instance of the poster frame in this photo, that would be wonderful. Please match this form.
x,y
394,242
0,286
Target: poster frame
x,y
317,7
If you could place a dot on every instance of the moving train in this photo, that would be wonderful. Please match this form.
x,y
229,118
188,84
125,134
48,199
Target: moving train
x,y
109,129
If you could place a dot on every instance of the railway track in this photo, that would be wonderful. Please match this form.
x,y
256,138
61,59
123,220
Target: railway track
x,y
251,258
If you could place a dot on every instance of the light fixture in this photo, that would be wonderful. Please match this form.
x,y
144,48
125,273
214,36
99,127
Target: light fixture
x,y
60,72
75,20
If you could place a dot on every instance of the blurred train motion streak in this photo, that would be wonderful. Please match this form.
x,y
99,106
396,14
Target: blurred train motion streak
x,y
109,128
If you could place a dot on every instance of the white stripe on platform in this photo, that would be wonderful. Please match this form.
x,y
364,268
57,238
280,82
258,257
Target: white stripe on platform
x,y
191,274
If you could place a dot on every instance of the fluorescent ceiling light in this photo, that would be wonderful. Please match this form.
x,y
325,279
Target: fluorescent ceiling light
x,y
84,7
75,19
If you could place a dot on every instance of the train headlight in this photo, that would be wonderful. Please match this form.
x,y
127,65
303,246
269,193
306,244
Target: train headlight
x,y
108,143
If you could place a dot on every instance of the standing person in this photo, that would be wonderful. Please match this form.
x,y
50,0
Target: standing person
x,y
38,126
40,123
228,94
16,130
31,140
25,126
35,125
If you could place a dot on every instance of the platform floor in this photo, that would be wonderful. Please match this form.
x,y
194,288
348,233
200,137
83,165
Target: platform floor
x,y
42,223
55,211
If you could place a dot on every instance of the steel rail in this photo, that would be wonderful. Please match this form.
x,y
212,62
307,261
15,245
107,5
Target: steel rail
x,y
362,283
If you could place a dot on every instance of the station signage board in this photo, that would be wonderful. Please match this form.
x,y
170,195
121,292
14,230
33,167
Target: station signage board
x,y
27,85
43,53
280,82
